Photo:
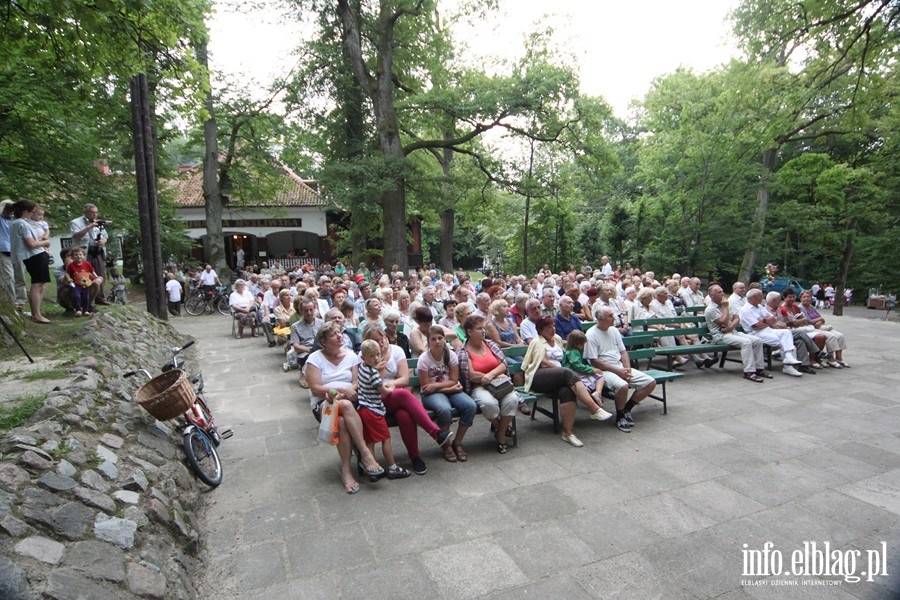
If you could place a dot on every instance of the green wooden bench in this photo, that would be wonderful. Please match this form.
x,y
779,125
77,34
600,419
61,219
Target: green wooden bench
x,y
634,355
698,328
698,310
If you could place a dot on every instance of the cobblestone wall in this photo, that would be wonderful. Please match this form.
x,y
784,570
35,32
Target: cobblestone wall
x,y
95,499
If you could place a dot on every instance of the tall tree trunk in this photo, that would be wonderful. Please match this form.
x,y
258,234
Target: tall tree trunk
x,y
846,257
380,89
352,99
527,208
448,217
448,223
145,173
393,201
758,225
394,218
212,194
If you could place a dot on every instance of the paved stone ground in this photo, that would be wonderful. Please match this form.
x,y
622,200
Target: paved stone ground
x,y
664,512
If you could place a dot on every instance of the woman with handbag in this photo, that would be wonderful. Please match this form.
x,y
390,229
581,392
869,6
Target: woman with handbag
x,y
485,377
438,369
544,373
332,374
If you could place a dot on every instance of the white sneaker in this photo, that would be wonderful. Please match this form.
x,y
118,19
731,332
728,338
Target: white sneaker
x,y
790,359
601,415
571,439
789,370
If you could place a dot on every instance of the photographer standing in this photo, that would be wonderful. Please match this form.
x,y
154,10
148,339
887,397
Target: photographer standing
x,y
89,234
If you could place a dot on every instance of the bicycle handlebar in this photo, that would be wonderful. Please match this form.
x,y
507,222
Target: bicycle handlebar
x,y
187,345
144,372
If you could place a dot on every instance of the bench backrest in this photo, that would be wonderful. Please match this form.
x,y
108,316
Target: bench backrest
x,y
639,353
698,322
692,309
515,351
638,339
684,319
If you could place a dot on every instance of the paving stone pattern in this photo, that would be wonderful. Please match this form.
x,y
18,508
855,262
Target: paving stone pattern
x,y
662,512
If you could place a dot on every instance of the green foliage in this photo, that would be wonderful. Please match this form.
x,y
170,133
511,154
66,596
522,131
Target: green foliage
x,y
60,451
63,104
17,412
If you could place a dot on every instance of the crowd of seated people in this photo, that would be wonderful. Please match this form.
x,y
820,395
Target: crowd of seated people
x,y
459,328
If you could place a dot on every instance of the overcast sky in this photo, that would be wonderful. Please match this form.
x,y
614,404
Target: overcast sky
x,y
620,47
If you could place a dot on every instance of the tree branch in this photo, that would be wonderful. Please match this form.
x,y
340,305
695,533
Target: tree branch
x,y
405,11
401,85
352,42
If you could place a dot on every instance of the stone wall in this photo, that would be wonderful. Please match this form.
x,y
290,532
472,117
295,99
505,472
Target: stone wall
x,y
96,500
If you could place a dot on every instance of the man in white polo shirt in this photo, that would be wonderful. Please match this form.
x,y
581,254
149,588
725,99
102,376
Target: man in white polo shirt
x,y
606,351
756,320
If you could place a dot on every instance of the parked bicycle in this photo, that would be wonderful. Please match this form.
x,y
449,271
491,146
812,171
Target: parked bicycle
x,y
175,395
119,295
205,300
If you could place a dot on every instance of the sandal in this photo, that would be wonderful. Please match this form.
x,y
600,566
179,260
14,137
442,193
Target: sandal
x,y
350,489
502,448
372,475
523,408
449,454
397,472
753,377
460,453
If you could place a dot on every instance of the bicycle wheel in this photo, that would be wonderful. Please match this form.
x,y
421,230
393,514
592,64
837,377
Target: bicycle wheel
x,y
195,306
222,306
202,457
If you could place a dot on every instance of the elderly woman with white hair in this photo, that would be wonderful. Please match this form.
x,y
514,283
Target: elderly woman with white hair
x,y
373,310
386,295
243,306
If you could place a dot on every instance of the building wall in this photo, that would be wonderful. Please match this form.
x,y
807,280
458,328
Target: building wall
x,y
259,223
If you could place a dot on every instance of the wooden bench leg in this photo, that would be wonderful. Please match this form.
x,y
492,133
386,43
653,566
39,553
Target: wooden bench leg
x,y
556,422
553,413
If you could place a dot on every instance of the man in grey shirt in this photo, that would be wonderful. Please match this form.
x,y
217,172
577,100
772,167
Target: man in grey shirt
x,y
303,336
722,324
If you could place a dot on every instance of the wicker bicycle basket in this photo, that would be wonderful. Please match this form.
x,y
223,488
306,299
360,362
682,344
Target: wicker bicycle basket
x,y
166,396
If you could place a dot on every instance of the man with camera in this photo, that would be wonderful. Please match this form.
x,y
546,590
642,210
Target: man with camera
x,y
89,234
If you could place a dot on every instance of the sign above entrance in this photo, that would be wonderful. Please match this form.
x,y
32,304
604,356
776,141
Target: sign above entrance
x,y
243,223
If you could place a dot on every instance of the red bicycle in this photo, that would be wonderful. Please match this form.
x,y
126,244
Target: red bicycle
x,y
174,395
